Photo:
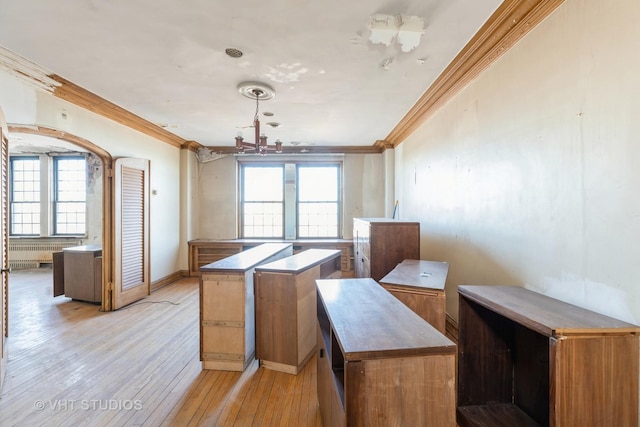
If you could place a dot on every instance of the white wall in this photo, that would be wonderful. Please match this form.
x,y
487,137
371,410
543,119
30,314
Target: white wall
x,y
364,189
217,184
25,105
529,176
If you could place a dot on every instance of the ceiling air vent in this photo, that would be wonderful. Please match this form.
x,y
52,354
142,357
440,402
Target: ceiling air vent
x,y
233,52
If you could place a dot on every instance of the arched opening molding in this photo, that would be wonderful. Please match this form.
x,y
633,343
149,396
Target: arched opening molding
x,y
107,197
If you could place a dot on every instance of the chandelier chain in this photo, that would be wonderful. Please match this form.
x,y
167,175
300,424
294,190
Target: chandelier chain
x,y
255,117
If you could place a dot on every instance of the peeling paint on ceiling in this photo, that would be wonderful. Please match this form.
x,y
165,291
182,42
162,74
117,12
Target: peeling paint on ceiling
x,y
407,31
338,82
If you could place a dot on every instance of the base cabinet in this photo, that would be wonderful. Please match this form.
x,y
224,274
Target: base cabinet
x,y
420,286
379,363
227,307
529,360
77,273
286,307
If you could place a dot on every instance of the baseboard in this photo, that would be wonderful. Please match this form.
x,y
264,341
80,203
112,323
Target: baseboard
x,y
167,280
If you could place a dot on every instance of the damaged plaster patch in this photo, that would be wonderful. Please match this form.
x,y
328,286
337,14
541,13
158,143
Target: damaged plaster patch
x,y
410,32
384,29
407,31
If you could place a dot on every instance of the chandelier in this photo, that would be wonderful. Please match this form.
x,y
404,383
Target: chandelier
x,y
257,91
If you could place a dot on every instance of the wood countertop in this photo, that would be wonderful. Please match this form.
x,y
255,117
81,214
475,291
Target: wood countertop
x,y
544,314
246,260
370,323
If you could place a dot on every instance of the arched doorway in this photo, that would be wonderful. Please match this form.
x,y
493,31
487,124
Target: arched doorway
x,y
107,196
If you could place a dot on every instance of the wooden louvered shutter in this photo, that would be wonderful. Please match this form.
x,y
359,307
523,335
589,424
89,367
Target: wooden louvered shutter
x,y
131,204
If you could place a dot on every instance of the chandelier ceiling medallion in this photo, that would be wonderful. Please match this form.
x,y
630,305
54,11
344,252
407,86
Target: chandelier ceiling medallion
x,y
259,92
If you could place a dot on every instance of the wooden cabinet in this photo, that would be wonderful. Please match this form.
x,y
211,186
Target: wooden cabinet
x,y
382,243
206,251
286,307
227,307
526,359
203,252
77,273
379,363
420,286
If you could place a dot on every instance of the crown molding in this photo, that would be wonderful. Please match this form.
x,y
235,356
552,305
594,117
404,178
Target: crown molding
x,y
306,149
383,145
508,24
90,101
193,146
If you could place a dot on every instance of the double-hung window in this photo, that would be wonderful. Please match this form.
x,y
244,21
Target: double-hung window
x,y
290,200
25,196
263,201
70,195
48,195
318,201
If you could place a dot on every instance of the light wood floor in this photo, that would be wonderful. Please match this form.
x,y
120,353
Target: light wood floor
x,y
71,365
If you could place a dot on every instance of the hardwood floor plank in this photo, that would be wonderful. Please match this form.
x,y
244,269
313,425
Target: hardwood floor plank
x,y
258,408
136,366
174,394
235,412
287,402
274,400
222,411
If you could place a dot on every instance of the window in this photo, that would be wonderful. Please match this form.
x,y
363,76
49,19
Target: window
x,y
48,195
25,196
318,199
263,201
290,200
70,195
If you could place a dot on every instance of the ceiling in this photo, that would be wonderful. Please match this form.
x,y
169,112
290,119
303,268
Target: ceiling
x,y
344,72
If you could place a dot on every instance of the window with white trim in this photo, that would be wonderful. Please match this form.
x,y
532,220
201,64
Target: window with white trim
x,y
290,200
48,195
70,195
25,196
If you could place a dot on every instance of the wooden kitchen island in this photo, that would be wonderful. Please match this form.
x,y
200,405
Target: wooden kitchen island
x,y
379,363
227,307
286,307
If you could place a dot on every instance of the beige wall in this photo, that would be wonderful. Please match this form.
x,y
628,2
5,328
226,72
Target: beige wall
x,y
363,182
530,175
